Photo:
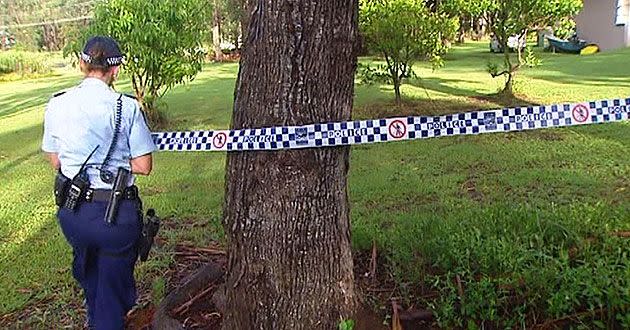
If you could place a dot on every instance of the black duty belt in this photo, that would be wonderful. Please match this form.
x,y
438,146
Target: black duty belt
x,y
103,195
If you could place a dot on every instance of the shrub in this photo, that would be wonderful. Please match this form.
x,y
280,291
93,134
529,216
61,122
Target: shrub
x,y
23,63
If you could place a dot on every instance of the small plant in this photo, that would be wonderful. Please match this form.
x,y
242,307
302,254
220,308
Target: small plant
x,y
530,59
346,324
158,289
368,75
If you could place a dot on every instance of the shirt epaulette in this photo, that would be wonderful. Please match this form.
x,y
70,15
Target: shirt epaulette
x,y
131,96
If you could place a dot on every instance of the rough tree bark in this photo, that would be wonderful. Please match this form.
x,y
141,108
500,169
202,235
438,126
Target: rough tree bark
x,y
286,213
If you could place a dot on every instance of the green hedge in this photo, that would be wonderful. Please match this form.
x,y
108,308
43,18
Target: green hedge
x,y
23,63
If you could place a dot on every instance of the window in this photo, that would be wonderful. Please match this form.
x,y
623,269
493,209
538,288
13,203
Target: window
x,y
623,12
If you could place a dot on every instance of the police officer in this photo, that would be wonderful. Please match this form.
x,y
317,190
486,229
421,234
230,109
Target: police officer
x,y
93,124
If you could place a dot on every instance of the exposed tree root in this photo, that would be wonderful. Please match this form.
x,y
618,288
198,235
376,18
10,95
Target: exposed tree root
x,y
198,285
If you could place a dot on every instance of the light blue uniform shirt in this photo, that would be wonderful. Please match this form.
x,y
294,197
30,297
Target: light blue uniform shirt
x,y
84,117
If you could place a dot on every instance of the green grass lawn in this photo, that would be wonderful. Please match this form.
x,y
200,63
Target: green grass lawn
x,y
524,220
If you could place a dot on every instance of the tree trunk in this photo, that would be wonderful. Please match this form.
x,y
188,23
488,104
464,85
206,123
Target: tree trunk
x,y
216,34
461,34
286,213
237,38
508,90
50,37
397,92
477,29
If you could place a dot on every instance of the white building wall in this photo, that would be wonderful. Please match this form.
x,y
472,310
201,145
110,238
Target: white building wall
x,y
597,24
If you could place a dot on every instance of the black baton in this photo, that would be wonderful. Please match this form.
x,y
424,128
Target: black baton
x,y
118,191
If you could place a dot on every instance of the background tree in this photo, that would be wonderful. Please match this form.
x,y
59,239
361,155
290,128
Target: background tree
x,y
232,18
404,31
467,12
247,10
286,213
216,31
508,18
161,39
43,24
226,25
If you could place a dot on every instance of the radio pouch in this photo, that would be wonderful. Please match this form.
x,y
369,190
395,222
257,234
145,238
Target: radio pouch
x,y
78,187
61,188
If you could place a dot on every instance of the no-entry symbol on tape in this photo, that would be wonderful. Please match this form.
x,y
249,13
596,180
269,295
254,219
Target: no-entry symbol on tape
x,y
218,141
580,113
397,129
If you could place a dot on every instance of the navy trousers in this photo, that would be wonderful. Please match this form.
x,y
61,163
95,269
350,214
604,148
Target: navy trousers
x,y
104,259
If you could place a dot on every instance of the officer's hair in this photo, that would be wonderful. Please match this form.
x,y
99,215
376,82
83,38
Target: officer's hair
x,y
97,54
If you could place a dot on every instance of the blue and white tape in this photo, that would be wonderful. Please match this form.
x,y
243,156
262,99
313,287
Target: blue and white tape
x,y
396,129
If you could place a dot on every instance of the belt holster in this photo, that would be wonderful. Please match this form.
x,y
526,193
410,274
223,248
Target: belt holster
x,y
117,195
78,186
69,193
60,188
150,229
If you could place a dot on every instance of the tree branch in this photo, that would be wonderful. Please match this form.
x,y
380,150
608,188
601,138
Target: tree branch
x,y
502,73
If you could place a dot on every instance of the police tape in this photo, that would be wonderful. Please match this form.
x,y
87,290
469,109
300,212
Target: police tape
x,y
396,129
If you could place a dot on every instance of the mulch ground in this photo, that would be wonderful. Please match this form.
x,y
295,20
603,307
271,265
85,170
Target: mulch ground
x,y
199,312
375,285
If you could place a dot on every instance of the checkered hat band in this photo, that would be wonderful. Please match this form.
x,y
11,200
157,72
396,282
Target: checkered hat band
x,y
396,129
110,61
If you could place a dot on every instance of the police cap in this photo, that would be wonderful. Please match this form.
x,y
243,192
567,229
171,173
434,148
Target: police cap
x,y
102,51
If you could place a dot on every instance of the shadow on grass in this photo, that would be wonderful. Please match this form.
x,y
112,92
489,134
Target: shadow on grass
x,y
414,107
14,141
587,81
34,303
204,104
445,86
16,101
6,168
595,70
613,132
383,105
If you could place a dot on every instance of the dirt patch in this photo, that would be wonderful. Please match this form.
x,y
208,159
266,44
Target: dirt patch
x,y
469,189
425,107
228,57
549,135
141,318
404,204
619,192
505,100
152,191
386,302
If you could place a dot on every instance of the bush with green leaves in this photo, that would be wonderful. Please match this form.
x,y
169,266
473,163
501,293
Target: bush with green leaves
x,y
564,28
162,41
404,31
